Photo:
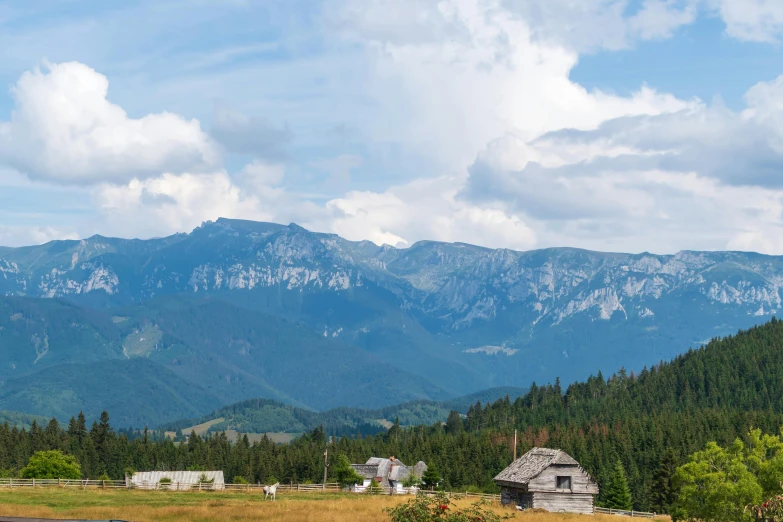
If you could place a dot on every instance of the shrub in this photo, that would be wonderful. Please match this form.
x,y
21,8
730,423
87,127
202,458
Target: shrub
x,y
344,473
239,479
411,481
438,507
374,488
104,476
771,510
52,464
165,480
204,480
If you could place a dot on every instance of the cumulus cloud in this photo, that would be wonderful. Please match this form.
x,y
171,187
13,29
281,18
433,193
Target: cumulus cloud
x,y
455,75
425,209
751,20
64,129
705,177
173,203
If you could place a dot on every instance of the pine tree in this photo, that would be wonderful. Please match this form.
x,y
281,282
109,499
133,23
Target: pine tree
x,y
431,477
662,495
454,423
617,494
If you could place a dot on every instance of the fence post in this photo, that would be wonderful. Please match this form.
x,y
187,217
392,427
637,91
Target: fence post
x,y
33,482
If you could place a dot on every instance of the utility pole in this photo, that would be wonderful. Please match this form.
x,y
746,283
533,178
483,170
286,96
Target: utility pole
x,y
326,463
515,444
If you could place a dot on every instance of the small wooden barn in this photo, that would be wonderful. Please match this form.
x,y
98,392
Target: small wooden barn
x,y
548,479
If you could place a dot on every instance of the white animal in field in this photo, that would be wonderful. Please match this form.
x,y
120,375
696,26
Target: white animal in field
x,y
271,490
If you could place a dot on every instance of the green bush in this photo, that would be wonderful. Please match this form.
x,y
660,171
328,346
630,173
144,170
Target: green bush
x,y
165,480
374,488
239,479
344,474
204,480
52,464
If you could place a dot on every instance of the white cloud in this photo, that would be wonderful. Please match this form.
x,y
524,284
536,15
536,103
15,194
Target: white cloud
x,y
660,18
449,79
64,129
425,209
33,235
751,20
260,174
702,178
174,203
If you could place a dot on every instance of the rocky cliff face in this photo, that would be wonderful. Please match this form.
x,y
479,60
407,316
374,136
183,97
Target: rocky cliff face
x,y
511,316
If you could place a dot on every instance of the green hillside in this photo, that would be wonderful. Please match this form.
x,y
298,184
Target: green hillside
x,y
20,420
181,356
268,416
139,392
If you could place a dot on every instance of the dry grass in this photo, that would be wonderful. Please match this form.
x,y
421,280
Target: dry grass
x,y
143,506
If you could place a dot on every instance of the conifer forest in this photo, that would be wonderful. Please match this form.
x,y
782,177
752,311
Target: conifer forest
x,y
645,424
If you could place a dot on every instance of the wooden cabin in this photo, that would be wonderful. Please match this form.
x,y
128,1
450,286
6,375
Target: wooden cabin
x,y
548,479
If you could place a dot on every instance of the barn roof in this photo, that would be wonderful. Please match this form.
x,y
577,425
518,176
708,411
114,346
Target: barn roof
x,y
181,478
532,463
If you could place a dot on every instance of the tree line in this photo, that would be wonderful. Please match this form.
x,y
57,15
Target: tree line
x,y
649,422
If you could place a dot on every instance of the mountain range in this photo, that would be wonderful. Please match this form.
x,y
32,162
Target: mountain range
x,y
176,327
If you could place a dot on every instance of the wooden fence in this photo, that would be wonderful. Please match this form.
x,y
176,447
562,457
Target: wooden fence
x,y
622,512
332,487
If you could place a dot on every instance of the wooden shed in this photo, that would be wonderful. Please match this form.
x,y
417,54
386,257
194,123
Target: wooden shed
x,y
548,479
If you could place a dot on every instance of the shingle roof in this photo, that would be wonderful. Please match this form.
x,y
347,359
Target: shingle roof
x,y
532,463
387,470
368,471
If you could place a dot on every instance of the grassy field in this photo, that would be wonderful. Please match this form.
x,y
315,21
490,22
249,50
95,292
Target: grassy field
x,y
143,506
233,435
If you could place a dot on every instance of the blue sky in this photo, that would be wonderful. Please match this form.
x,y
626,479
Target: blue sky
x,y
636,125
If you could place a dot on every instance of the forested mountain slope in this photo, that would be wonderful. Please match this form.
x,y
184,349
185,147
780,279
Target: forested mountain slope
x,y
179,357
715,393
264,415
428,322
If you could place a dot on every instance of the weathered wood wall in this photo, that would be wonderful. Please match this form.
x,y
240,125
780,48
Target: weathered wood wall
x,y
516,496
564,502
546,481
